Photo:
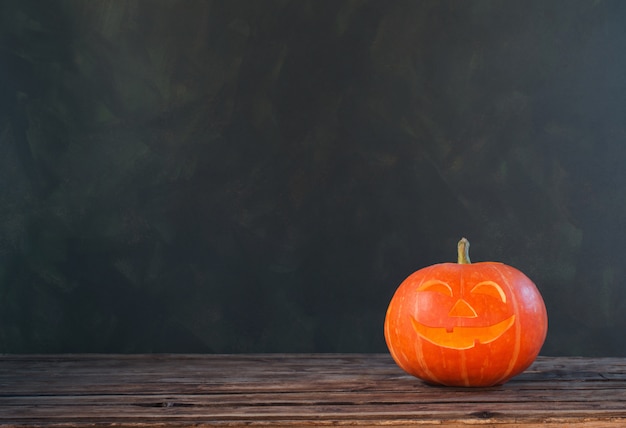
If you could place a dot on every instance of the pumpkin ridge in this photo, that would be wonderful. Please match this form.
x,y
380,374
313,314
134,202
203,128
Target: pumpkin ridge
x,y
518,326
419,349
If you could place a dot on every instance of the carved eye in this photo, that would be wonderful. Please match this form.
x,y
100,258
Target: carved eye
x,y
437,286
489,288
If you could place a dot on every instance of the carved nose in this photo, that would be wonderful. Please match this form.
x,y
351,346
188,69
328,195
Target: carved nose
x,y
462,309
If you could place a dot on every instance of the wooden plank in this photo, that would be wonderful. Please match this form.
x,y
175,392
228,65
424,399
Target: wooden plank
x,y
299,390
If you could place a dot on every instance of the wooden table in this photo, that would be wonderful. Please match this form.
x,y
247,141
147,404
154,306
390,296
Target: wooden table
x,y
277,390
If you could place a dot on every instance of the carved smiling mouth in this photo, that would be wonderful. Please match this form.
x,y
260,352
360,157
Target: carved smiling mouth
x,y
462,337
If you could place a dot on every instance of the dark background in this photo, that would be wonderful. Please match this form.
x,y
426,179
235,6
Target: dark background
x,y
259,176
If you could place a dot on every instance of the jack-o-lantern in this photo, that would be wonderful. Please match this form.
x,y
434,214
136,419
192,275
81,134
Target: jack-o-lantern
x,y
466,324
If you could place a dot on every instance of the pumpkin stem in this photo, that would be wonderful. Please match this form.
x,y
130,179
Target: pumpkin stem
x,y
463,251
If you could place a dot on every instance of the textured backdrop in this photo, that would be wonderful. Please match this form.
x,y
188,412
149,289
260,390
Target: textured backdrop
x,y
246,176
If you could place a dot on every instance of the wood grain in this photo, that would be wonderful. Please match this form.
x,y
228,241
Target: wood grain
x,y
296,389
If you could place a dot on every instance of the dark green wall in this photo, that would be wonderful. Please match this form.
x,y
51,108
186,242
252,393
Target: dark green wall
x,y
255,176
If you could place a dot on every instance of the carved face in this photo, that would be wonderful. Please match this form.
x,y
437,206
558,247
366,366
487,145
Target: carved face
x,y
461,317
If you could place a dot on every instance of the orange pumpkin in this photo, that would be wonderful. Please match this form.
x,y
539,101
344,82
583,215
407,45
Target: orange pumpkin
x,y
464,324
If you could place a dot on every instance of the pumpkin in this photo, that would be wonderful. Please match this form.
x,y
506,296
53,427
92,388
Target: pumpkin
x,y
466,324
